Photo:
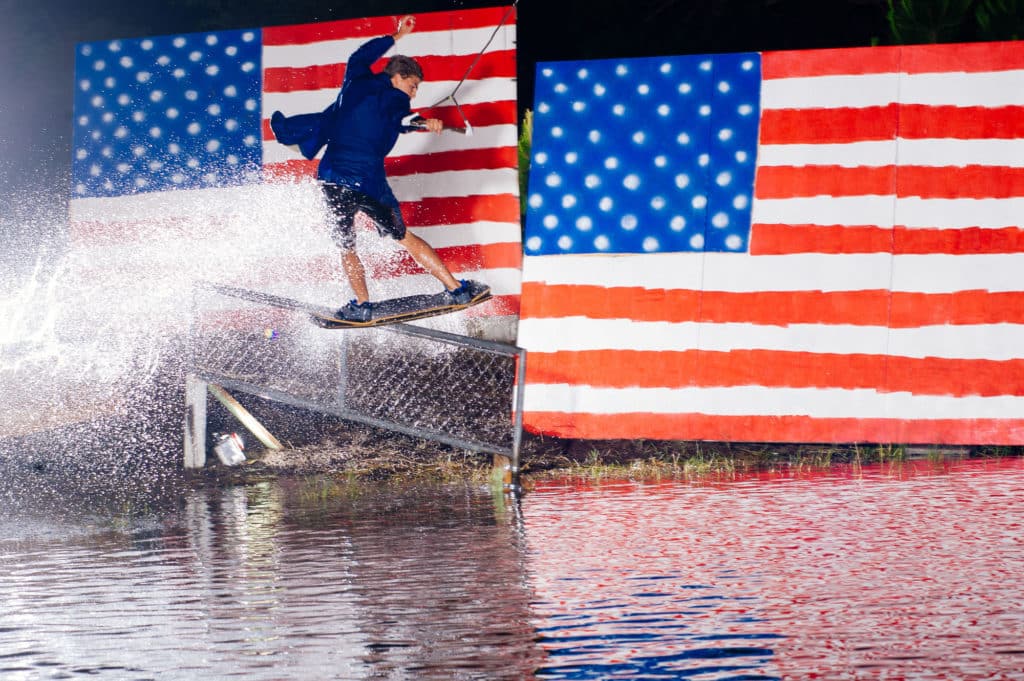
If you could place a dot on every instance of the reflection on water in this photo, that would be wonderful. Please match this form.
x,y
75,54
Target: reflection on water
x,y
274,581
912,571
901,572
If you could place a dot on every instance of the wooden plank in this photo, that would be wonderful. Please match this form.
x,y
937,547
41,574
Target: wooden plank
x,y
245,418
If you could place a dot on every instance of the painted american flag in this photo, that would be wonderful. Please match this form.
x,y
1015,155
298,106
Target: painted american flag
x,y
812,246
172,143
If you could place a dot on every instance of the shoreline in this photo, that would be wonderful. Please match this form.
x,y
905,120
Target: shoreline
x,y
149,440
354,453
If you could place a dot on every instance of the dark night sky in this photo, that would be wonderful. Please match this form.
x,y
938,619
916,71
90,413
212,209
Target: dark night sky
x,y
38,38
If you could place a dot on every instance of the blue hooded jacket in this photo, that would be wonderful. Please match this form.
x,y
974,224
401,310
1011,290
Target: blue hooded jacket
x,y
359,128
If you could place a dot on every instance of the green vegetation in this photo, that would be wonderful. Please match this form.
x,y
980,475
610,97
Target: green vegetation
x,y
525,141
333,468
944,21
1000,19
931,21
653,460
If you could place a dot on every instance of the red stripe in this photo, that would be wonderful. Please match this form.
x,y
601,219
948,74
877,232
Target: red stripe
x,y
470,159
911,310
547,301
966,182
290,171
478,115
498,306
785,239
828,126
495,64
95,233
775,428
425,213
301,34
777,369
862,308
968,58
919,121
784,182
875,123
834,239
475,257
323,268
929,182
268,319
837,62
456,258
969,240
315,77
461,209
775,308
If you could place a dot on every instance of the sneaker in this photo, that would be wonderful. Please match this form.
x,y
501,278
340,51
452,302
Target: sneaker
x,y
467,292
356,312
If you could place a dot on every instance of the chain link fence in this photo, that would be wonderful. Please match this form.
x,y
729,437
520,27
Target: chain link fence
x,y
423,382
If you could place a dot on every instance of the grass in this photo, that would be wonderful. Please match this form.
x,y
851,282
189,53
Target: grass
x,y
645,459
360,453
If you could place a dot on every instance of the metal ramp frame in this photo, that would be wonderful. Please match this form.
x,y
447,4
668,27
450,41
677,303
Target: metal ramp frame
x,y
427,383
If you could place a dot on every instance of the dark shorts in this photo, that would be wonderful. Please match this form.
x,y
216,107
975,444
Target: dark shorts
x,y
345,202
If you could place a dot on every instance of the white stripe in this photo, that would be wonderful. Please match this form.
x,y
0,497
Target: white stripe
x,y
273,243
482,138
487,137
469,234
1002,88
280,216
503,282
885,211
455,183
757,400
798,272
825,210
997,342
947,153
952,152
871,154
959,213
270,202
817,92
657,271
468,41
264,201
735,273
942,273
483,91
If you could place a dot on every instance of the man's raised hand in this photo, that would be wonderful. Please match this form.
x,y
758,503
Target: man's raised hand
x,y
405,26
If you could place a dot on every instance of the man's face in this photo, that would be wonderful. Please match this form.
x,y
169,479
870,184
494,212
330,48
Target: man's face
x,y
407,84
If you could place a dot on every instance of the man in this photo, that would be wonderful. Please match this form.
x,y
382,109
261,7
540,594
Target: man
x,y
359,129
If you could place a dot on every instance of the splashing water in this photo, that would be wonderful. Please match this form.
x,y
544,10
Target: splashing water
x,y
99,327
28,318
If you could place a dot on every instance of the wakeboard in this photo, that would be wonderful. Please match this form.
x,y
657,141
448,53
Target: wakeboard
x,y
406,309
388,311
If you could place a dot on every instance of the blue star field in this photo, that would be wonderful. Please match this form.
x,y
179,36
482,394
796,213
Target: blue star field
x,y
643,155
167,112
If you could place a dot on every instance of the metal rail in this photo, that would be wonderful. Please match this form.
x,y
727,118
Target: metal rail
x,y
437,385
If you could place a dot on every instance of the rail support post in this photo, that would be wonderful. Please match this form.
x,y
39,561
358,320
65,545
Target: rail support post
x,y
501,471
195,422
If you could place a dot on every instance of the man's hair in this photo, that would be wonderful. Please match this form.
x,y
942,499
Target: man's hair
x,y
403,66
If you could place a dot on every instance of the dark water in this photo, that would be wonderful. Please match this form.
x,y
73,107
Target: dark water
x,y
911,571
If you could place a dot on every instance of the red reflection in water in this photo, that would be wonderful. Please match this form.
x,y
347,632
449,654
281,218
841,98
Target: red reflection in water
x,y
902,571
